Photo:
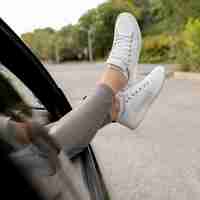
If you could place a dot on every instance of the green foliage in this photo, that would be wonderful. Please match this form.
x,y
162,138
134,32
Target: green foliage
x,y
171,16
66,44
189,53
101,22
180,21
71,42
170,30
40,42
158,48
131,6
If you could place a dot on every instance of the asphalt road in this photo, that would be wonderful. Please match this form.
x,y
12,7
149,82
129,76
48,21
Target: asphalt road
x,y
158,161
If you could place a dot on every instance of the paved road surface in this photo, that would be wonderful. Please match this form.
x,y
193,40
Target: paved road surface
x,y
158,161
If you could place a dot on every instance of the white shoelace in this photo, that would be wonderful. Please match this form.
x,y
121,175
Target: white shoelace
x,y
126,96
131,94
122,48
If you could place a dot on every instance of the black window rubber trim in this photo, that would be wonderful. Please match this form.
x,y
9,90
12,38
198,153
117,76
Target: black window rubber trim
x,y
93,176
16,56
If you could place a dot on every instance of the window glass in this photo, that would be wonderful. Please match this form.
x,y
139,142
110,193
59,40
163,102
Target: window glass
x,y
17,101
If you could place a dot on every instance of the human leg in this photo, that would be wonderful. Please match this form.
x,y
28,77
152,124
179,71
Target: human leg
x,y
76,130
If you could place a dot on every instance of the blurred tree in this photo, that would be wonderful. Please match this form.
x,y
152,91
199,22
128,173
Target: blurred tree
x,y
101,22
163,23
41,42
189,47
133,6
175,14
71,41
66,44
85,23
28,38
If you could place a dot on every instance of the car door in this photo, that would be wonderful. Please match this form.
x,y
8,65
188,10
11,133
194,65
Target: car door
x,y
19,60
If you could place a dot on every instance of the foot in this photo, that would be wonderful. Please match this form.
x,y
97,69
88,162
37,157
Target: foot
x,y
137,99
126,47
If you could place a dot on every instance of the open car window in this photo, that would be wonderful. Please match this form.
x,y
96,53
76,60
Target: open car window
x,y
17,101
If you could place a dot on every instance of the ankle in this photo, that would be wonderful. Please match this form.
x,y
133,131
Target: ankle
x,y
125,74
114,79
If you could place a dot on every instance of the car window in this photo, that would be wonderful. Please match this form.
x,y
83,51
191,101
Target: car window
x,y
17,101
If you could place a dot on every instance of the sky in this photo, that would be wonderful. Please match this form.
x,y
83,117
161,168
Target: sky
x,y
26,15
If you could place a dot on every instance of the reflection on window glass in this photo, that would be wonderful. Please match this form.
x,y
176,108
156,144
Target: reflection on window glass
x,y
16,100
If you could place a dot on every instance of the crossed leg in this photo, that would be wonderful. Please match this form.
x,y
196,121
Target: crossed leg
x,y
76,130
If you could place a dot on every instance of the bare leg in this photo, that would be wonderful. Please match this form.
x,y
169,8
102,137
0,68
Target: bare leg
x,y
114,79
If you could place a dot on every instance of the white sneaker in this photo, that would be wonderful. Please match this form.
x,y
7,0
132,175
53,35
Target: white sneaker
x,y
136,100
126,47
